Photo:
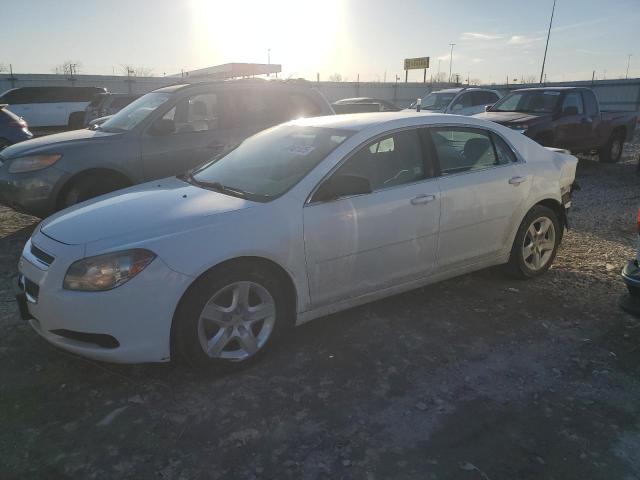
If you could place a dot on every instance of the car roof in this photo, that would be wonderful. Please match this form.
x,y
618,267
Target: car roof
x,y
362,121
240,82
357,100
548,89
466,89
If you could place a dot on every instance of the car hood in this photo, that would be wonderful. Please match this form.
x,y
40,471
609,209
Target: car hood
x,y
148,210
506,118
51,142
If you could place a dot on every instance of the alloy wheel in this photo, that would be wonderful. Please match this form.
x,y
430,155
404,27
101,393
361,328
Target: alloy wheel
x,y
539,243
237,321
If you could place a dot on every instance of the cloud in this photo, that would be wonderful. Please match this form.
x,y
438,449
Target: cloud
x,y
480,36
522,40
477,60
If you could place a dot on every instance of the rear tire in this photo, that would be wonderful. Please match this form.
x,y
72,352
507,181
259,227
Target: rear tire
x,y
88,187
230,317
536,243
612,150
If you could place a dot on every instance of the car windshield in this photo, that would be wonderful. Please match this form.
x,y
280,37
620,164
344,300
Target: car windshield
x,y
134,113
436,101
529,102
268,164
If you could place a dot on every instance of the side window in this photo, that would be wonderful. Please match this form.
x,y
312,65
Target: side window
x,y
390,161
573,100
484,98
463,101
462,149
590,102
198,113
503,152
285,106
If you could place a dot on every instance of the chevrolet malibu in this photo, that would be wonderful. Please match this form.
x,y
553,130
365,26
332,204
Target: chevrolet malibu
x,y
304,219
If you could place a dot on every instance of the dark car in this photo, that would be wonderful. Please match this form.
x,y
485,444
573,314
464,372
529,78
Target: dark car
x,y
105,104
631,278
363,104
163,133
13,129
565,117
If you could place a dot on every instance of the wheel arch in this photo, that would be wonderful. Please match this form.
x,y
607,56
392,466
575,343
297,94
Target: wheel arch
x,y
264,263
103,172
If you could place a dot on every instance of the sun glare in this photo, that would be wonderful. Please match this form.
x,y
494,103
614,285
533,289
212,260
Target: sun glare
x,y
301,36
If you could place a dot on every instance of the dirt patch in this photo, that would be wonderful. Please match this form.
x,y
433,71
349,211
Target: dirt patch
x,y
479,377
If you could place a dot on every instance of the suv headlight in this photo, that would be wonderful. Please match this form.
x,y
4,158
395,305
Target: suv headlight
x,y
108,271
32,163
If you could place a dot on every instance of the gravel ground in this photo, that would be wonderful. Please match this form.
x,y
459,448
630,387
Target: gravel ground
x,y
479,377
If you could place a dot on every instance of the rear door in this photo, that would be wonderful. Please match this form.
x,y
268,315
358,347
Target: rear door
x,y
483,191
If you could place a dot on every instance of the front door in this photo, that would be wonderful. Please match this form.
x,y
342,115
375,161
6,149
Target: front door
x,y
483,191
199,134
364,243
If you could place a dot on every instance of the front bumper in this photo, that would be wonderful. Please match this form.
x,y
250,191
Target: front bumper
x,y
129,324
33,193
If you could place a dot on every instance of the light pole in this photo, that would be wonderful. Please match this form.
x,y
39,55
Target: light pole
x,y
451,59
438,77
628,63
268,61
544,59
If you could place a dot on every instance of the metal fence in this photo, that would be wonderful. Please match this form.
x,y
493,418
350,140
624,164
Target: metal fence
x,y
613,94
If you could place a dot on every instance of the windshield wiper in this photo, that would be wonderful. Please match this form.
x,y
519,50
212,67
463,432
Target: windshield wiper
x,y
217,186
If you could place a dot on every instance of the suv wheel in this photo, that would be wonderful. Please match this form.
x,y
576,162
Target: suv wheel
x,y
612,151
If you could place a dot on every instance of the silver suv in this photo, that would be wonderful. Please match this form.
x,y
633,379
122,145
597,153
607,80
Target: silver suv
x,y
460,101
163,133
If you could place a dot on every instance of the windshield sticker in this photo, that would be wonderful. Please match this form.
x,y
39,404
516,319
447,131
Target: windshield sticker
x,y
300,149
551,93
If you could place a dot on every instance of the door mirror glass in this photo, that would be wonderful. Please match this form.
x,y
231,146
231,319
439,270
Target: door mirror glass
x,y
487,108
162,126
339,186
569,111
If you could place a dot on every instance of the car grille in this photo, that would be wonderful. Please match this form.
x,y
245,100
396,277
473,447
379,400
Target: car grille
x,y
42,257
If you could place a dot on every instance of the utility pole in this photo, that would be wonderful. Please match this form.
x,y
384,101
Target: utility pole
x,y
438,77
544,59
451,59
628,63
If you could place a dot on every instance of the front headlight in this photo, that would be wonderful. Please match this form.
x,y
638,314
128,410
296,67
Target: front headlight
x,y
106,272
33,163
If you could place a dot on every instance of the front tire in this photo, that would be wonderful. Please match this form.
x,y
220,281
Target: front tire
x,y
230,317
536,243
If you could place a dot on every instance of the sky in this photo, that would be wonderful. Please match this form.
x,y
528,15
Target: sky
x,y
369,39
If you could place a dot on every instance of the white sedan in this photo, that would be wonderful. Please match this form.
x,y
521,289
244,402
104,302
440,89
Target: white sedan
x,y
299,221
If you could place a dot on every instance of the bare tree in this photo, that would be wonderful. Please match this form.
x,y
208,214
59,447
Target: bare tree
x,y
440,77
335,77
3,68
132,71
69,67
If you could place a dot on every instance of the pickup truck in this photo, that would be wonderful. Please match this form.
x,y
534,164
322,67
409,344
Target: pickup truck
x,y
565,117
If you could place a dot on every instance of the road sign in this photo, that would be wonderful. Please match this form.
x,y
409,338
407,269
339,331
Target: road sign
x,y
416,63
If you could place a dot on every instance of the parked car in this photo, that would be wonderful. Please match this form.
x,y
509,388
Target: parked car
x,y
631,278
304,219
163,133
565,117
13,129
106,104
362,105
50,107
460,101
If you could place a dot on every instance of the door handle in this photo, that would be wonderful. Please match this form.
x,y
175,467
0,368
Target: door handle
x,y
422,199
517,180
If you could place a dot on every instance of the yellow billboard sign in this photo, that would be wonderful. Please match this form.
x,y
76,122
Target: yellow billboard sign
x,y
416,63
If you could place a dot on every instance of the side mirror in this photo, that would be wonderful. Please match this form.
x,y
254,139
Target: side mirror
x,y
162,126
487,108
339,186
568,111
